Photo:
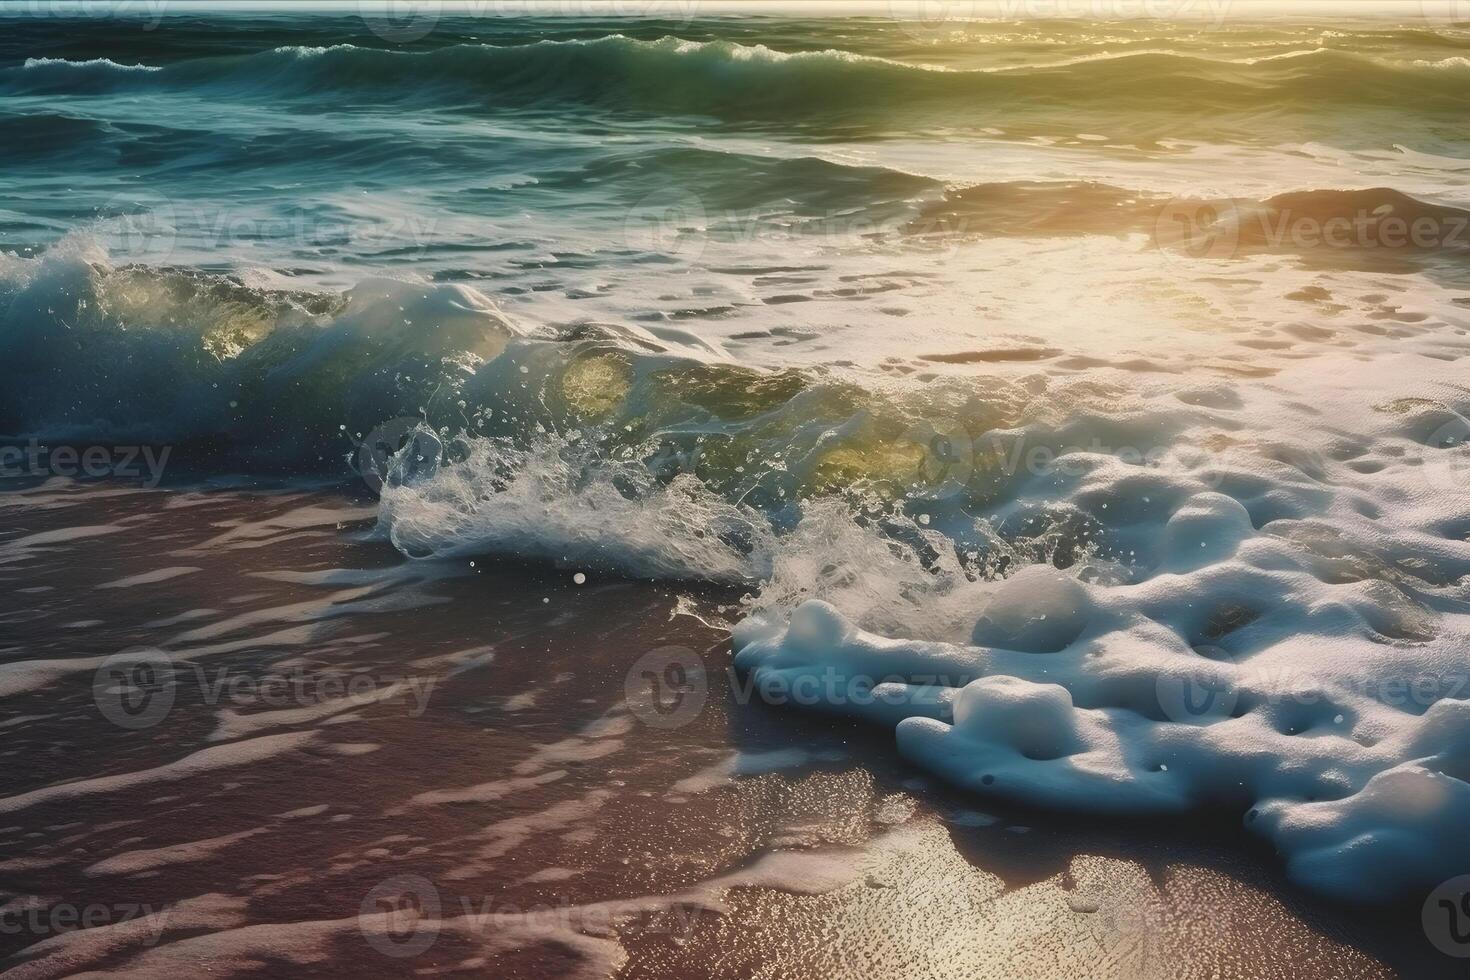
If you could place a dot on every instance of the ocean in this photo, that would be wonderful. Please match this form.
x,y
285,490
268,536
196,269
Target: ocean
x,y
1008,415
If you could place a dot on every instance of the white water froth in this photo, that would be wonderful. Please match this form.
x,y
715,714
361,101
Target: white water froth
x,y
1295,649
551,504
1280,630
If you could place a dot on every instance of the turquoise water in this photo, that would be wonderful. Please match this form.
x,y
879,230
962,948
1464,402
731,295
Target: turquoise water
x,y
310,145
860,312
774,190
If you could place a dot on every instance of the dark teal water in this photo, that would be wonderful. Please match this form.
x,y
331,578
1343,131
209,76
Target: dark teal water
x,y
313,144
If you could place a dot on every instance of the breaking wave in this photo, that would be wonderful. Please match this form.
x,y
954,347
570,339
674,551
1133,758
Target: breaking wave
x,y
1205,595
279,379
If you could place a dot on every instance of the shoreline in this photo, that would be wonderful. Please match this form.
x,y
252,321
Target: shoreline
x,y
552,815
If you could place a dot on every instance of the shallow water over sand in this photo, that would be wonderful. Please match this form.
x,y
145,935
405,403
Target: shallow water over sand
x,y
1094,391
346,729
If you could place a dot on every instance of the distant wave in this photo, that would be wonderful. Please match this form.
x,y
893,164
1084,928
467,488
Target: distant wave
x,y
1371,228
288,380
1458,62
733,80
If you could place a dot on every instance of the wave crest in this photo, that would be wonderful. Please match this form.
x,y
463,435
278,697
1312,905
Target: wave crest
x,y
733,80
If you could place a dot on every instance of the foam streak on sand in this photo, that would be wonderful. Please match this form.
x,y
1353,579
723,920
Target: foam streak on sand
x,y
203,761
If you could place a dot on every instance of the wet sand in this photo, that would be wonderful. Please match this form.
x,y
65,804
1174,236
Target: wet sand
x,y
323,759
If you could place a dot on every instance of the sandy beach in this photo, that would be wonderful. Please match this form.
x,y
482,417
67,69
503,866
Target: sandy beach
x,y
735,489
340,785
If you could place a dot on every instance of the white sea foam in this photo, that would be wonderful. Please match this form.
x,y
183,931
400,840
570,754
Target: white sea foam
x,y
1294,647
554,504
33,64
1263,611
1258,491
